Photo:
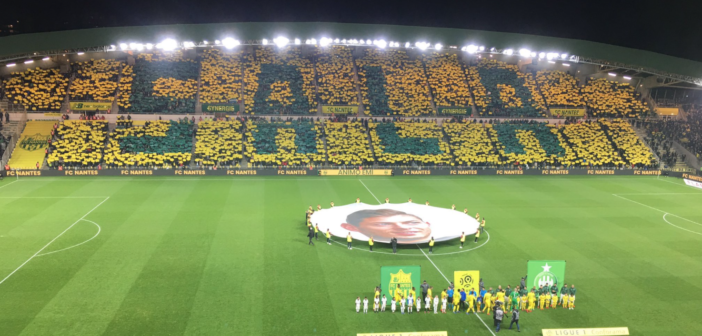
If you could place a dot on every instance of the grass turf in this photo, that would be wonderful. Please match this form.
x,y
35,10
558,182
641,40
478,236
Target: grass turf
x,y
230,256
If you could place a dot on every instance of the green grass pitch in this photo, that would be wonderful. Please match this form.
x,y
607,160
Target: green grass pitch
x,y
216,256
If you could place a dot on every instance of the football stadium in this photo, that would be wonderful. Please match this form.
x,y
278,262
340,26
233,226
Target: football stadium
x,y
452,181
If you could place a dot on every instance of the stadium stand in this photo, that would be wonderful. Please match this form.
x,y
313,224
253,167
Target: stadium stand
x,y
500,89
95,80
78,144
407,142
606,98
32,144
559,89
627,143
218,143
289,143
163,82
220,77
37,89
447,80
528,143
687,132
125,87
284,83
335,76
347,143
589,143
472,144
393,84
156,144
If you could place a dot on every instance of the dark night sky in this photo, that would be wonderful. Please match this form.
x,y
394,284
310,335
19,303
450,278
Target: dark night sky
x,y
668,27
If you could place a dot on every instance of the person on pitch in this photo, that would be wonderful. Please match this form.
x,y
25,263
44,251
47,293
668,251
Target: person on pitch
x,y
571,301
487,301
386,223
332,204
542,297
358,304
453,207
393,242
463,239
419,304
465,211
477,217
310,234
358,200
482,225
436,304
508,302
365,305
376,304
348,240
477,235
316,232
462,300
426,203
393,305
410,303
456,302
564,293
319,207
383,303
443,304
410,200
370,243
431,245
387,200
425,289
328,234
531,299
427,304
515,318
402,304
471,302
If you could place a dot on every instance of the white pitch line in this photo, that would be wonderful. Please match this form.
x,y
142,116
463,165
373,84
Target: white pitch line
x,y
692,193
57,237
49,197
76,245
437,268
681,228
665,213
15,181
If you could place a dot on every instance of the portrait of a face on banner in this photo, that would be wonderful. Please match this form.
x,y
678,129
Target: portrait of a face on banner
x,y
409,223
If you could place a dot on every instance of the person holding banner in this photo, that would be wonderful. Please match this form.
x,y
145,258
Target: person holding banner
x,y
328,234
431,245
477,235
463,239
370,243
348,241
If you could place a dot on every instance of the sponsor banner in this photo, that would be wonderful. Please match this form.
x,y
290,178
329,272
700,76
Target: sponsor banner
x,y
693,183
667,111
52,114
413,333
545,272
221,108
340,109
467,280
163,172
692,177
586,331
454,110
409,223
368,172
567,112
89,106
400,279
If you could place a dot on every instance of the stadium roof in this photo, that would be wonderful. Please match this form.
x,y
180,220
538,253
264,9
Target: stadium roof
x,y
85,38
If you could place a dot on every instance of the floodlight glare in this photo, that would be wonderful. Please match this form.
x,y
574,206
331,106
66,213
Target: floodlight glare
x,y
421,45
336,40
438,46
217,42
324,41
369,42
551,55
508,52
612,74
80,53
566,64
204,42
149,46
10,65
381,44
407,45
542,55
230,43
264,41
281,41
169,44
343,41
552,62
627,77
28,61
524,52
138,46
46,58
297,41
472,48
481,48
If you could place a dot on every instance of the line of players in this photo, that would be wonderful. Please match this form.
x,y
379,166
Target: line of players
x,y
314,230
485,301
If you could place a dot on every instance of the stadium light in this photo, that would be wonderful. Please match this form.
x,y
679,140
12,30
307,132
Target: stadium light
x,y
472,49
138,46
264,41
421,45
343,41
407,45
612,74
230,43
524,52
381,44
369,42
551,56
47,58
169,44
10,65
297,41
78,53
28,61
533,54
149,46
481,48
217,42
566,64
113,47
362,41
564,56
552,62
188,44
324,41
627,77
438,46
336,40
281,41
508,52
203,42
123,46
542,55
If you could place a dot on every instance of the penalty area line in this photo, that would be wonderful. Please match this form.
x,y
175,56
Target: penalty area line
x,y
57,237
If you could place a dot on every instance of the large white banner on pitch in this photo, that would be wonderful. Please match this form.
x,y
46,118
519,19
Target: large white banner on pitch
x,y
409,223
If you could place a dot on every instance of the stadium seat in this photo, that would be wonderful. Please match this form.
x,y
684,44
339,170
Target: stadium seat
x,y
95,80
472,144
125,87
347,143
590,145
163,82
528,143
158,144
500,89
37,89
606,98
447,80
220,76
291,143
335,77
80,144
560,89
628,143
218,143
409,142
393,84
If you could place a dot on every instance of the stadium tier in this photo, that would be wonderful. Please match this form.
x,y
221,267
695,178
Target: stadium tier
x,y
335,76
607,98
448,84
95,80
347,143
218,143
560,89
290,143
37,89
156,144
284,82
409,142
78,143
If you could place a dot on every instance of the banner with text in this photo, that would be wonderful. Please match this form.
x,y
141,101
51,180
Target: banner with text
x,y
340,109
545,272
454,110
222,108
567,112
353,172
89,106
667,111
408,333
693,183
399,278
467,280
586,331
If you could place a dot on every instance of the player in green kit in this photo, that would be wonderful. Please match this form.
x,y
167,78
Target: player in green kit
x,y
508,301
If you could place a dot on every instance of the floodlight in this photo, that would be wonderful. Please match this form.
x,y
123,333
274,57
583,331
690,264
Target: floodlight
x,y
281,41
230,43
297,41
47,58
138,46
508,52
542,55
325,41
481,48
438,46
79,53
336,40
472,48
627,77
149,46
551,55
10,65
524,52
421,45
343,41
169,44
217,42
566,64
407,45
564,56
113,47
369,42
264,41
381,44
28,61
612,74
203,42
552,62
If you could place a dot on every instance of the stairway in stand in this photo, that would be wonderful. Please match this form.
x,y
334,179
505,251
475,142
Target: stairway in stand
x,y
31,145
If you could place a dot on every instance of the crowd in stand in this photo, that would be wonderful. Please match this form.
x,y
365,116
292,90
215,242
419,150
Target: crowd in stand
x,y
284,83
78,143
37,89
157,144
607,98
404,142
163,82
560,89
688,133
95,80
220,76
335,77
447,80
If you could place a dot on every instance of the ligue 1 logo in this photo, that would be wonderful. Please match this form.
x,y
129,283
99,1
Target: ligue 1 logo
x,y
545,277
466,280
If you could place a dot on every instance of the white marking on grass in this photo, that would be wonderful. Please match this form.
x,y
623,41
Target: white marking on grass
x,y
681,228
665,213
15,181
47,245
376,198
81,197
76,245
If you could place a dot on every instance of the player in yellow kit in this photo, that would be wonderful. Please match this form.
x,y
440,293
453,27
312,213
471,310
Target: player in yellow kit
x,y
487,300
456,303
542,301
571,302
531,298
554,300
523,302
471,304
547,299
